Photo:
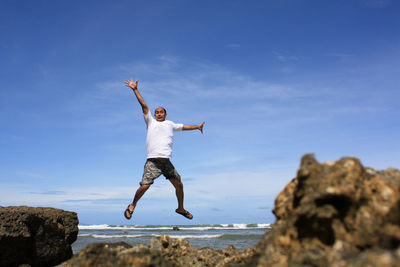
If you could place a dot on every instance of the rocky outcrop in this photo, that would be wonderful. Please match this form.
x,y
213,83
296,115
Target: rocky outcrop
x,y
335,214
36,236
162,251
332,214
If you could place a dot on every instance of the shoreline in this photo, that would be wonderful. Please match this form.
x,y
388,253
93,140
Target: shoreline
x,y
215,236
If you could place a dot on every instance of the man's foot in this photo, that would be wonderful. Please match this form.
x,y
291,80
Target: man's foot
x,y
128,212
184,213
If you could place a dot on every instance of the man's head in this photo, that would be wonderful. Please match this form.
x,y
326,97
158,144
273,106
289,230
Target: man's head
x,y
160,114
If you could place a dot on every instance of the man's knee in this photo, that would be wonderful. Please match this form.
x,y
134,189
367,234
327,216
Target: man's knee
x,y
145,186
178,184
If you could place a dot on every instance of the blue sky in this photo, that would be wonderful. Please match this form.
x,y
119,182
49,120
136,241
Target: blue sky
x,y
272,79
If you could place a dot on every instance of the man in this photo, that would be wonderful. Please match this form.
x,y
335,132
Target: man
x,y
159,142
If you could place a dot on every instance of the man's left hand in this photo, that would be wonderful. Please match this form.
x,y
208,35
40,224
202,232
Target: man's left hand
x,y
201,127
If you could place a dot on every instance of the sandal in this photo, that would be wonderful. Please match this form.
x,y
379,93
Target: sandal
x,y
130,213
185,214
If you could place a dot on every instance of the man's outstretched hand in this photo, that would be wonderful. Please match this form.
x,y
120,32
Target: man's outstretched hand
x,y
201,127
132,84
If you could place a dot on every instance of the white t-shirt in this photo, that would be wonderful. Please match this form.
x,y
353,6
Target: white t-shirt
x,y
160,136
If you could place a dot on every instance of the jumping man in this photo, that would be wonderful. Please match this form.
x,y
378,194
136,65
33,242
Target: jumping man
x,y
159,142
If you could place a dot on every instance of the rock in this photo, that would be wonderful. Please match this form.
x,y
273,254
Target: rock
x,y
36,236
175,228
121,254
335,214
163,251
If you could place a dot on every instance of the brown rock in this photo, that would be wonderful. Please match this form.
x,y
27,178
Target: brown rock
x,y
335,214
36,236
119,254
162,251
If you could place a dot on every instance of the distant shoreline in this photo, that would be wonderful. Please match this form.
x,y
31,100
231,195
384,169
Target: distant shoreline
x,y
217,236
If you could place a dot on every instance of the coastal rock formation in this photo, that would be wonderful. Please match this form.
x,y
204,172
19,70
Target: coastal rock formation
x,y
162,251
332,214
36,236
335,214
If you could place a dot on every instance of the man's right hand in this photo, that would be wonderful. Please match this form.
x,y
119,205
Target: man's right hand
x,y
132,84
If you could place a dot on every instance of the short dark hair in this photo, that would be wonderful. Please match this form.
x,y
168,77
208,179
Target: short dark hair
x,y
165,111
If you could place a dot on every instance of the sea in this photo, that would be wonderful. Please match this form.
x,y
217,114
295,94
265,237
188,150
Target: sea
x,y
216,236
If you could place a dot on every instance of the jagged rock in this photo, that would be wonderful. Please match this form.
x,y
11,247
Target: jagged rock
x,y
335,214
36,236
162,251
332,214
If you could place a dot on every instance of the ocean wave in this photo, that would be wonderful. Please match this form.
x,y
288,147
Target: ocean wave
x,y
122,227
196,236
115,236
237,237
216,236
199,227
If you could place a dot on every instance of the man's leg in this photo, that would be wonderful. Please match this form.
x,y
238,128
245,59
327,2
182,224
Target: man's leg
x,y
179,192
139,193
179,195
151,171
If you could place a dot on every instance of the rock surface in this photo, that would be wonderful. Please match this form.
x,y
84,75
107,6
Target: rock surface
x,y
36,236
162,251
335,214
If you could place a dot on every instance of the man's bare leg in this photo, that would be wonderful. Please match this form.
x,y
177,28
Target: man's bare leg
x,y
179,192
139,193
179,195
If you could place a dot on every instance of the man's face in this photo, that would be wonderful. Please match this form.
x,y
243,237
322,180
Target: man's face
x,y
160,114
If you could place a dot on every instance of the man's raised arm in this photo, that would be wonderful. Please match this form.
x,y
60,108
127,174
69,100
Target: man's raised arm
x,y
193,127
133,85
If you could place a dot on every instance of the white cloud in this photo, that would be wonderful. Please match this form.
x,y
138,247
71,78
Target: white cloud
x,y
343,57
59,196
179,85
233,46
29,174
244,184
212,188
285,58
282,58
204,80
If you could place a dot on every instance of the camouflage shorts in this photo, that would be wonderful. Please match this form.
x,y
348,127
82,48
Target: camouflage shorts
x,y
155,167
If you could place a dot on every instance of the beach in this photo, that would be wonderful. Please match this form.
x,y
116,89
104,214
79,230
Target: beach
x,y
216,236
